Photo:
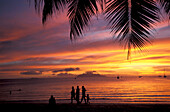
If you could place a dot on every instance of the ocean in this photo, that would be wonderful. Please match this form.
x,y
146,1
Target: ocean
x,y
154,90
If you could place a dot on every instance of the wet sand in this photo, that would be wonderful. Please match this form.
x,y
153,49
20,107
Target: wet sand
x,y
44,107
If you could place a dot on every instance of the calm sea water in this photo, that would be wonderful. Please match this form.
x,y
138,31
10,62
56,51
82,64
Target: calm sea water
x,y
101,90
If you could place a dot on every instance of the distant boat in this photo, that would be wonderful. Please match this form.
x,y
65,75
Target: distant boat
x,y
140,76
164,74
19,90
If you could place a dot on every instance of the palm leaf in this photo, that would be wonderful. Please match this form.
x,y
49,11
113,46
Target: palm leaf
x,y
102,3
132,21
166,5
80,13
49,6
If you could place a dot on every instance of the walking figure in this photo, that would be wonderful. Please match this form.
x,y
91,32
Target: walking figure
x,y
77,94
88,98
83,94
73,94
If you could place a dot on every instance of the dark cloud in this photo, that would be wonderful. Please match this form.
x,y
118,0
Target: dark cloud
x,y
94,57
162,68
65,75
39,59
24,69
5,42
90,74
31,73
5,46
72,69
67,70
58,70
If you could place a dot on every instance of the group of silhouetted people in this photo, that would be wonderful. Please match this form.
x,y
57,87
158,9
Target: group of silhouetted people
x,y
76,95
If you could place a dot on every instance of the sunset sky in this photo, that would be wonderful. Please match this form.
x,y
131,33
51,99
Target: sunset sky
x,y
29,49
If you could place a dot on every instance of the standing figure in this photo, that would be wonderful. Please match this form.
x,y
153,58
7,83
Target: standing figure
x,y
77,94
10,92
88,98
52,101
73,94
83,94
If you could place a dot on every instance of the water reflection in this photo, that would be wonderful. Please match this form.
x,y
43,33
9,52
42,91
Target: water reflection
x,y
127,89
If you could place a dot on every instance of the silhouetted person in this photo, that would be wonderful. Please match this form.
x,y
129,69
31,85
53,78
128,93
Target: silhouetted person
x,y
10,92
88,99
19,90
73,94
52,101
77,94
83,94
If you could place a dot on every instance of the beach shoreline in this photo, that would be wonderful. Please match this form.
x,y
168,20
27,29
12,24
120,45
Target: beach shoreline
x,y
93,107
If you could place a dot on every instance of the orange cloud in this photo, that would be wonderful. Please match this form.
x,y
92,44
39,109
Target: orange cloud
x,y
99,56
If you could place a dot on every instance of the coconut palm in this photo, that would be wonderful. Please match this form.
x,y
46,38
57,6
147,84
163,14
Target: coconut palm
x,y
130,20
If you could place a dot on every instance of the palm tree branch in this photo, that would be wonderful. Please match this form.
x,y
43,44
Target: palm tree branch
x,y
49,6
143,15
80,13
166,5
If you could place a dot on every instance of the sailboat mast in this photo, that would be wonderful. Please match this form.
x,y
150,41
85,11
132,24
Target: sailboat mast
x,y
164,74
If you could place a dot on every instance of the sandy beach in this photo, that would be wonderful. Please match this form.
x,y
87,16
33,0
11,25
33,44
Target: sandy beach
x,y
106,107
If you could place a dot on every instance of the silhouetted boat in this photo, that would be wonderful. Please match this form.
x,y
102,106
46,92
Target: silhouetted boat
x,y
140,76
118,77
19,90
164,74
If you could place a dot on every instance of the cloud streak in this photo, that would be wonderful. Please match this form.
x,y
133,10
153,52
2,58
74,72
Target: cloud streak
x,y
31,73
66,70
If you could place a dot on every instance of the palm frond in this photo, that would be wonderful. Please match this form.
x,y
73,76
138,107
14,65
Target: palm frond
x,y
102,3
166,5
80,13
49,6
135,28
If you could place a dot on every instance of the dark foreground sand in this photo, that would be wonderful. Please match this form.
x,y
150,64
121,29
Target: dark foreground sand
x,y
42,107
